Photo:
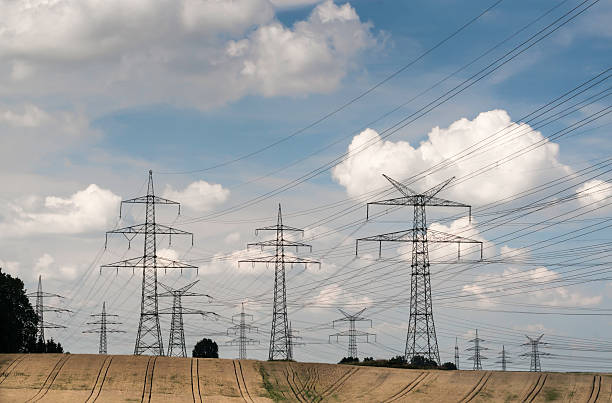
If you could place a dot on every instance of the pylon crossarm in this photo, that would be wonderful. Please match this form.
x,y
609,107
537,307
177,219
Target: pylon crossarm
x,y
277,227
274,243
437,189
273,258
139,263
49,325
43,294
138,229
48,308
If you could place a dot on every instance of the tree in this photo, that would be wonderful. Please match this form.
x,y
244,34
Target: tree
x,y
205,348
448,366
418,361
17,317
349,360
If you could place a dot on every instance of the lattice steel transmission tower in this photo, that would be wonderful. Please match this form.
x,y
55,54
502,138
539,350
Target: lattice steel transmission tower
x,y
456,354
103,322
503,358
176,343
352,333
280,340
241,328
534,353
41,308
149,338
421,338
477,357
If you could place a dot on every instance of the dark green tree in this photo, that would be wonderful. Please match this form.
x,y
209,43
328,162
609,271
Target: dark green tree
x,y
349,360
418,361
205,348
17,317
448,366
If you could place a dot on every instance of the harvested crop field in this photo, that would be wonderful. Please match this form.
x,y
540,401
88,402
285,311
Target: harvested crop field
x,y
89,378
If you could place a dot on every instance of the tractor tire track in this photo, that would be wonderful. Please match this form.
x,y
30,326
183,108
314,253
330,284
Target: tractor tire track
x,y
10,368
292,386
241,388
595,389
338,384
537,388
408,388
44,389
147,388
246,389
195,381
96,390
477,388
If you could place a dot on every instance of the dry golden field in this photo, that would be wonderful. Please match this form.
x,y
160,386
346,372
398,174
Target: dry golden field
x,y
118,378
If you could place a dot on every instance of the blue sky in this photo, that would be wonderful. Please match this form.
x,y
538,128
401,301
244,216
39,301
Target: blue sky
x,y
98,98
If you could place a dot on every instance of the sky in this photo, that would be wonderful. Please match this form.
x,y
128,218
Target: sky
x,y
237,106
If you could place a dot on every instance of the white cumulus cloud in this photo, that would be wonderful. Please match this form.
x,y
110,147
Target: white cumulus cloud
x,y
199,196
361,171
594,191
90,209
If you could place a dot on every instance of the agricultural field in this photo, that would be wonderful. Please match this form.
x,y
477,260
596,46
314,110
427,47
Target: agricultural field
x,y
117,378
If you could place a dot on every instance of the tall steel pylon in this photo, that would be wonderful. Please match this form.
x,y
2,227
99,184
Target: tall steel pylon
x,y
421,337
477,357
241,328
352,333
280,340
176,343
534,354
456,354
103,330
503,358
149,338
41,308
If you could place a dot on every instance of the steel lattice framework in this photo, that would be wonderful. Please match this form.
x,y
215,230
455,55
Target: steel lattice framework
x,y
535,353
421,338
352,333
456,354
176,342
103,322
41,308
280,336
477,357
149,338
241,328
503,358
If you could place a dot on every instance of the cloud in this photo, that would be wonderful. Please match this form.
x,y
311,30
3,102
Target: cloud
x,y
232,237
186,52
199,196
293,3
334,293
594,191
361,172
47,268
90,209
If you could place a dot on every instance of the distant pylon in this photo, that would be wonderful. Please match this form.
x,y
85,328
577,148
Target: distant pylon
x,y
241,328
149,338
280,340
176,343
352,333
421,339
103,322
293,336
477,357
41,308
456,354
534,353
503,358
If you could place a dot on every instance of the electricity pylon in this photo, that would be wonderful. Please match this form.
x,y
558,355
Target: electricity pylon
x,y
241,328
535,353
421,336
352,333
293,336
41,308
477,357
176,343
280,340
149,338
456,354
103,322
503,359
